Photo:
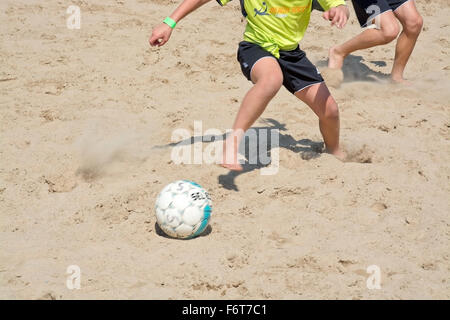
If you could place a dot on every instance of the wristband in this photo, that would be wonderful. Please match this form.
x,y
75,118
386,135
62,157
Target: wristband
x,y
170,22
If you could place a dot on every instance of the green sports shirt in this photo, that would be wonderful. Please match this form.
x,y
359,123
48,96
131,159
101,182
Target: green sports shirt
x,y
278,24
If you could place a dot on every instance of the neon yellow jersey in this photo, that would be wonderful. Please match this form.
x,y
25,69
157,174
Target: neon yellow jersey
x,y
278,24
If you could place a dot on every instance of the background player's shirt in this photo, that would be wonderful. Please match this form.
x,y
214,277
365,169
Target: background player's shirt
x,y
278,24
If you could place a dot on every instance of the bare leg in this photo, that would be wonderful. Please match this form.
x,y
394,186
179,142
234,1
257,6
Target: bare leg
x,y
268,78
319,99
388,31
412,24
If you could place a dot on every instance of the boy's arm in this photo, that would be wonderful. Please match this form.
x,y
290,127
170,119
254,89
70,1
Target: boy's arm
x,y
162,32
336,11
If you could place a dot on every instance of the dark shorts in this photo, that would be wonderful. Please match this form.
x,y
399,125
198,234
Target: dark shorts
x,y
298,72
367,10
316,6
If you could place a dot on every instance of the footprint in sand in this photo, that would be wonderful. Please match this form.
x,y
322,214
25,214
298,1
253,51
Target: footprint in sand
x,y
60,183
358,154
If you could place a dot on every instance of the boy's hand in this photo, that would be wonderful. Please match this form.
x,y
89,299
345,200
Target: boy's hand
x,y
337,15
160,35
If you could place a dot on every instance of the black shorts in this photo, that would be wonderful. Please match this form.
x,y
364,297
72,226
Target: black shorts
x,y
316,6
367,10
298,72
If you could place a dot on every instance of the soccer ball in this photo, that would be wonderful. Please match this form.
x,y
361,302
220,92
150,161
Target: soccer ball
x,y
183,209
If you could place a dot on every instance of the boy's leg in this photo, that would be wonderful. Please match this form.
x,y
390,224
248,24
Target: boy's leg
x,y
412,24
388,31
268,79
319,99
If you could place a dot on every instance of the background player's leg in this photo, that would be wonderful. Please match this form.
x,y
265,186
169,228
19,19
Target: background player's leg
x,y
388,32
268,79
319,99
412,23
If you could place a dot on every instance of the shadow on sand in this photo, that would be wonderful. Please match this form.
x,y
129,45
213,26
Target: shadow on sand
x,y
307,149
161,233
354,69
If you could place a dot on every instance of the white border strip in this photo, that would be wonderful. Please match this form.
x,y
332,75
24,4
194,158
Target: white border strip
x,y
310,85
374,25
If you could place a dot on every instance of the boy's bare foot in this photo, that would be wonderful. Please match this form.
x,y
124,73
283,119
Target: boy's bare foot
x,y
232,167
339,154
400,80
230,159
335,58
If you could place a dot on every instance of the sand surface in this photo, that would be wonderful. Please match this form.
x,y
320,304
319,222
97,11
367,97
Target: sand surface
x,y
83,111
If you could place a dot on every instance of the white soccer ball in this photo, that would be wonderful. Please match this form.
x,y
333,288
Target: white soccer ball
x,y
183,209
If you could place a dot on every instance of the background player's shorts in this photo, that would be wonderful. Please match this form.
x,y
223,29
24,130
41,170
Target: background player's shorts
x,y
367,10
298,72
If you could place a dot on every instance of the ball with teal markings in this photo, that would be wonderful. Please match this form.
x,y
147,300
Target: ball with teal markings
x,y
183,209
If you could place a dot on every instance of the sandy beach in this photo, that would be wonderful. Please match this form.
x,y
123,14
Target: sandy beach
x,y
86,120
